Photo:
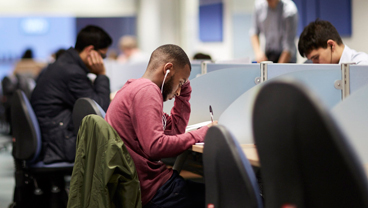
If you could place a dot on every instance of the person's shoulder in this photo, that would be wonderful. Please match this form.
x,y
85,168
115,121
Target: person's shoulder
x,y
260,4
67,68
289,8
141,87
360,58
137,85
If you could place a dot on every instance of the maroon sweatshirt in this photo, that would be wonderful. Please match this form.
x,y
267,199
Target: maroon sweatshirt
x,y
136,114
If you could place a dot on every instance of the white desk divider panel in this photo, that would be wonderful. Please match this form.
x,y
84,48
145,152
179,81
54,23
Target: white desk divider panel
x,y
244,60
352,115
218,89
270,70
119,73
238,116
210,67
323,79
357,77
196,71
321,82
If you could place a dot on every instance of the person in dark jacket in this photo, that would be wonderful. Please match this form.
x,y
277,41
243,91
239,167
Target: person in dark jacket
x,y
62,84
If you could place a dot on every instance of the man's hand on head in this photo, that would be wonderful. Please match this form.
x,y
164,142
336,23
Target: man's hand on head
x,y
95,63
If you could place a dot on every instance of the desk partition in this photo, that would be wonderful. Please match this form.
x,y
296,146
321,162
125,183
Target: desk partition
x,y
320,78
270,70
237,118
352,115
196,70
210,67
358,77
120,73
218,89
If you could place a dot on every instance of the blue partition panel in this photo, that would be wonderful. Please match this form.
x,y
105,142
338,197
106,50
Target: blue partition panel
x,y
196,70
352,115
274,70
237,118
358,77
321,82
120,73
218,89
213,67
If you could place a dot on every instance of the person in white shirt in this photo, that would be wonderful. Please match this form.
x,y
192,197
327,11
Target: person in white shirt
x,y
277,20
321,43
130,51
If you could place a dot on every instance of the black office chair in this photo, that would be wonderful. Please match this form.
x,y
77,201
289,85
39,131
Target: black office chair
x,y
229,177
305,160
36,184
9,85
84,107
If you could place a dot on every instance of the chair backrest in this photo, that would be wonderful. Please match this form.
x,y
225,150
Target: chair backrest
x,y
26,130
229,177
305,159
104,173
84,107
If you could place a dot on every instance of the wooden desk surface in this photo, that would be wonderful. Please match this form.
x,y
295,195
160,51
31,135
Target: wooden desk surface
x,y
251,152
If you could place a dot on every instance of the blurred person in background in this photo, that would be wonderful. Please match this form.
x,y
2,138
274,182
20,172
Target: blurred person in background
x,y
202,56
130,52
54,56
27,65
321,43
62,84
277,20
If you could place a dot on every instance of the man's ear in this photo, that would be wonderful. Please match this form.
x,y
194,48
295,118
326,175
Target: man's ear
x,y
168,66
331,44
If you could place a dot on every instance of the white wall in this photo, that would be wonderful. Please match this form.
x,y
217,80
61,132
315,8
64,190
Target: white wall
x,y
218,50
79,8
359,41
190,29
158,23
173,21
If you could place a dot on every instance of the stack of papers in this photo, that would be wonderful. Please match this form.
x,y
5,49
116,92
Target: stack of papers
x,y
196,126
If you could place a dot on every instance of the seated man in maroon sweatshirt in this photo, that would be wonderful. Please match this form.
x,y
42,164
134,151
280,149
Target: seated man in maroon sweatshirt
x,y
150,134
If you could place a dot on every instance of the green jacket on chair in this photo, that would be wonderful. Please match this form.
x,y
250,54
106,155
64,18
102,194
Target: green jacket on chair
x,y
104,174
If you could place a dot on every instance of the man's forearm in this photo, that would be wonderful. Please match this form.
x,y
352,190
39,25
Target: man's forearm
x,y
255,44
285,57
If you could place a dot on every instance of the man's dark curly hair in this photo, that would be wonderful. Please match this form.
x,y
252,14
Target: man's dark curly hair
x,y
92,35
316,35
169,53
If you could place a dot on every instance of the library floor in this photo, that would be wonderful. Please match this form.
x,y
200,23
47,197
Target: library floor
x,y
6,171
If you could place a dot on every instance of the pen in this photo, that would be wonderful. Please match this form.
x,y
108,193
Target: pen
x,y
211,113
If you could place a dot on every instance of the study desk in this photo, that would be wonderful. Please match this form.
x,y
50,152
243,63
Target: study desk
x,y
249,150
251,153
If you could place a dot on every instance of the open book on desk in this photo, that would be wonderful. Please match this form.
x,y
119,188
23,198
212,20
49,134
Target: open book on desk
x,y
196,126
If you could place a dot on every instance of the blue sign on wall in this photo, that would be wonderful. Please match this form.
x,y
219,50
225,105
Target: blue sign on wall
x,y
211,22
